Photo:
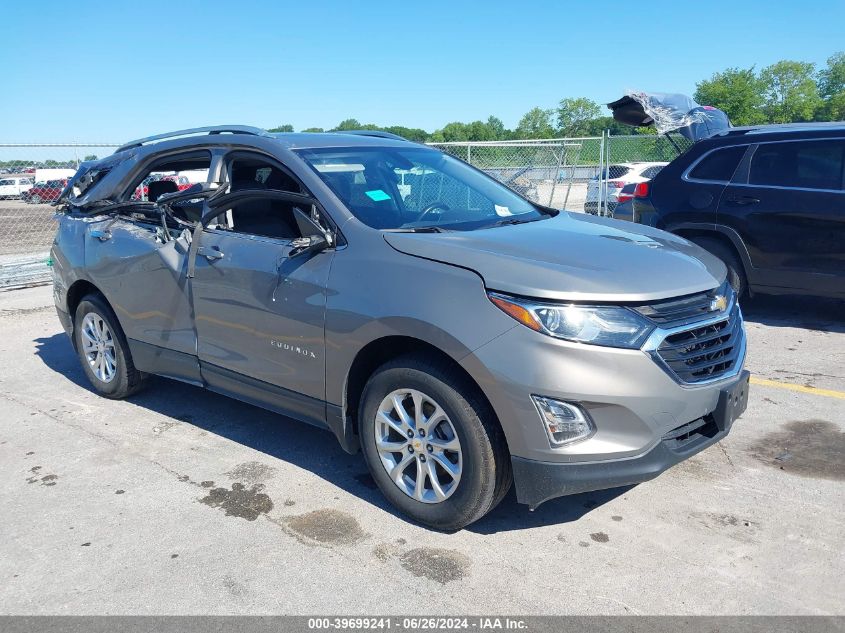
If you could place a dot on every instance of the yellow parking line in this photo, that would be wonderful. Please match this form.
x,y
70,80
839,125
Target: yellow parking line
x,y
829,393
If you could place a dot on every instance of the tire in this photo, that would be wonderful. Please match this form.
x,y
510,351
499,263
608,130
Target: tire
x,y
97,331
736,271
36,199
481,460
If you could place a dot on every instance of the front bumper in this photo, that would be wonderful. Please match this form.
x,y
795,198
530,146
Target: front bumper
x,y
538,481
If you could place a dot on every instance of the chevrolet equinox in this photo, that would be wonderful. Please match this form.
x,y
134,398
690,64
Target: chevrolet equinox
x,y
464,338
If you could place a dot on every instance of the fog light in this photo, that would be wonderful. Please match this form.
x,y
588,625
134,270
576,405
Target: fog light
x,y
565,422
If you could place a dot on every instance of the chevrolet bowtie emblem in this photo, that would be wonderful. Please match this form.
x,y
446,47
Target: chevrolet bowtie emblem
x,y
719,303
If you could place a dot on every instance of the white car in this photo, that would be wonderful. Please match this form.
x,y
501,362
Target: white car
x,y
619,175
14,187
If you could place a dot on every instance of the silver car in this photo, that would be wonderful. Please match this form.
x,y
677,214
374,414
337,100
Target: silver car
x,y
463,338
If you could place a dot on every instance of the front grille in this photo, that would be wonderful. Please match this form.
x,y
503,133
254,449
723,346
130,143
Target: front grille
x,y
706,352
681,310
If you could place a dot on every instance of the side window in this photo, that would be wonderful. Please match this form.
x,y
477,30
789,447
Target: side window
x,y
171,174
719,165
804,164
255,172
265,217
651,172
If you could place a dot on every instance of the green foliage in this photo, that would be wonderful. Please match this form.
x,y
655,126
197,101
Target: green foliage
x,y
287,127
790,91
832,78
737,91
832,89
313,129
574,116
536,123
90,157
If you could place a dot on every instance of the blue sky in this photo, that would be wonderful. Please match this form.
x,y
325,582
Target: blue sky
x,y
110,71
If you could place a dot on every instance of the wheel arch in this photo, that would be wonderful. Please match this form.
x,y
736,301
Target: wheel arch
x,y
382,350
75,293
723,234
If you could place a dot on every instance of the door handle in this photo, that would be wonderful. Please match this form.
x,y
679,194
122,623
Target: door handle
x,y
209,253
742,201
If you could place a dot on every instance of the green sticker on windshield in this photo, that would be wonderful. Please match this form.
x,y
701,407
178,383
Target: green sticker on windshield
x,y
377,195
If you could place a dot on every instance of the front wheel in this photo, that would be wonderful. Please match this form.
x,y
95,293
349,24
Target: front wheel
x,y
103,350
432,443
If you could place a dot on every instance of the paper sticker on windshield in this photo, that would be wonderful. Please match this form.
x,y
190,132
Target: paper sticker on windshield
x,y
377,195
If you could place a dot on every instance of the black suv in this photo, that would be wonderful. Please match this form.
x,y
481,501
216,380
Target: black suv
x,y
768,200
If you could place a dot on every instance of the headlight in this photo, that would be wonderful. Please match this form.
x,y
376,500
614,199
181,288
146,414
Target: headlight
x,y
611,326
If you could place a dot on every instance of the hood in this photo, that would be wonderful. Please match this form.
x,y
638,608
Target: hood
x,y
573,257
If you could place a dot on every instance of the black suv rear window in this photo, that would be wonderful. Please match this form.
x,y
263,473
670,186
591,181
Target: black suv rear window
x,y
720,165
805,164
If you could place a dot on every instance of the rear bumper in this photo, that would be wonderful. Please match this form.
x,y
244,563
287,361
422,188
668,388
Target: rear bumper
x,y
537,481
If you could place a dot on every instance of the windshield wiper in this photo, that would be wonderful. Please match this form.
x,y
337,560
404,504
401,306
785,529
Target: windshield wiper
x,y
511,221
417,229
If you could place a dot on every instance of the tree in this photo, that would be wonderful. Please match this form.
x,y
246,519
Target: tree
x,y
574,115
313,129
348,124
90,157
452,132
790,91
287,127
832,78
411,133
497,129
832,89
737,91
536,123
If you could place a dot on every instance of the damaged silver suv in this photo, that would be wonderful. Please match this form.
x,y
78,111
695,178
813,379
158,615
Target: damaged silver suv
x,y
462,337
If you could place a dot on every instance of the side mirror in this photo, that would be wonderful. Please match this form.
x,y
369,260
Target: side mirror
x,y
314,237
312,243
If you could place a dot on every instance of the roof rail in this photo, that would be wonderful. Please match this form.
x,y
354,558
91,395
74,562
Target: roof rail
x,y
211,129
374,133
774,128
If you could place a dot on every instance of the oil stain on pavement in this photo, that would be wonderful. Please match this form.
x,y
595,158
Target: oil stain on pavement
x,y
810,448
240,501
252,472
324,527
439,565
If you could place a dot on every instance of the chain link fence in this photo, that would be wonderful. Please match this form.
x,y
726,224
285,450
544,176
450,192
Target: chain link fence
x,y
575,174
31,177
627,160
551,172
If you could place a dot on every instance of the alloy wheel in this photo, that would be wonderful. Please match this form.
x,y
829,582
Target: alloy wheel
x,y
98,347
418,446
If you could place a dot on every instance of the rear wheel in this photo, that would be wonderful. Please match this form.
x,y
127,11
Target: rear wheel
x,y
103,351
736,271
36,199
432,444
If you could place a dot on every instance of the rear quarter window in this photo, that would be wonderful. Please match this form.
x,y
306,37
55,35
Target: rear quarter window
x,y
719,165
801,164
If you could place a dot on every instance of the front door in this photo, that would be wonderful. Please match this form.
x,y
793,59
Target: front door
x,y
259,308
789,208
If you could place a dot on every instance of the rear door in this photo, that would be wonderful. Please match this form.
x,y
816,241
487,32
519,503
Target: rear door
x,y
259,306
696,200
788,205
